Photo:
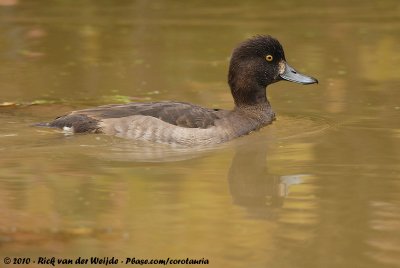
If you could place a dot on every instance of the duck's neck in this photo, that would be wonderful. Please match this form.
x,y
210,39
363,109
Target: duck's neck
x,y
254,106
250,97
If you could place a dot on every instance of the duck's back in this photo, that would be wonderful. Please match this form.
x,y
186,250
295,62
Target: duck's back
x,y
176,113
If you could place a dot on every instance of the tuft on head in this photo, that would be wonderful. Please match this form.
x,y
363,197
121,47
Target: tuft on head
x,y
259,45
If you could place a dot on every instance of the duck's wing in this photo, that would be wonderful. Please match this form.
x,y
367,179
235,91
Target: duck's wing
x,y
175,113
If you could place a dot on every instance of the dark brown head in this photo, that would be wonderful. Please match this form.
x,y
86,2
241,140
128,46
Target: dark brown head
x,y
256,63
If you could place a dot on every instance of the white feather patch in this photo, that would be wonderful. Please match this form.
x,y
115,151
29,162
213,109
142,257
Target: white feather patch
x,y
68,131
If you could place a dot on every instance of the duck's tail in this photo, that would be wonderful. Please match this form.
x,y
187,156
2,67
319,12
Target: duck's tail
x,y
41,124
79,123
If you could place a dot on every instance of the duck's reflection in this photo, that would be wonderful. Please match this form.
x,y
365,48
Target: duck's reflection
x,y
249,181
251,184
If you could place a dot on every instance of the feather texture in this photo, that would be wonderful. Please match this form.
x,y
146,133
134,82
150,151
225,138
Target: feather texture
x,y
175,113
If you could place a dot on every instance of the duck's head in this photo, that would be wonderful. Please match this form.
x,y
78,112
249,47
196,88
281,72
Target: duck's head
x,y
256,63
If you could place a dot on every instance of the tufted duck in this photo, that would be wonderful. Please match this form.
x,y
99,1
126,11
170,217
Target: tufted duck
x,y
255,63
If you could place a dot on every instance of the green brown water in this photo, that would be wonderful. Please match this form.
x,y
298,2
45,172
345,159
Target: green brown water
x,y
318,188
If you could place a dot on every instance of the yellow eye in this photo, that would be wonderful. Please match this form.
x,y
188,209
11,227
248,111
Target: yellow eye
x,y
269,57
